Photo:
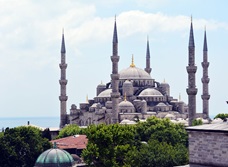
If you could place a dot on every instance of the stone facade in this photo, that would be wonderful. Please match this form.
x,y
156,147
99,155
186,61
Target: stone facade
x,y
208,145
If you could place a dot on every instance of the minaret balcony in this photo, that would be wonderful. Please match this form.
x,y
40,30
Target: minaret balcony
x,y
115,59
63,98
115,95
191,69
205,64
63,66
191,91
205,80
115,76
62,81
205,97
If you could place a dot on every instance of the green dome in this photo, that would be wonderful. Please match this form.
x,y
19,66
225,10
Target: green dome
x,y
54,157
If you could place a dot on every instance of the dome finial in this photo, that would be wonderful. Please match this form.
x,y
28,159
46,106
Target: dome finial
x,y
125,96
132,61
179,97
54,146
87,100
164,80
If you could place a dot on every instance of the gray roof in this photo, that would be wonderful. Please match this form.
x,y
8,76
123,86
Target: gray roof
x,y
219,127
134,73
150,92
105,93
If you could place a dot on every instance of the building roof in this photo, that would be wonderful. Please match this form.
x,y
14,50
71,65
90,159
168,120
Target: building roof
x,y
150,92
105,93
126,104
76,141
133,72
219,127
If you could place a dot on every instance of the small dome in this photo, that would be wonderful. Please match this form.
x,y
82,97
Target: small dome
x,y
128,122
161,104
94,105
54,157
150,92
126,104
134,73
101,85
171,116
105,93
217,120
127,82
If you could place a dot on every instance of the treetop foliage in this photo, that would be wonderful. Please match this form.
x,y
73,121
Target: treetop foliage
x,y
156,142
21,146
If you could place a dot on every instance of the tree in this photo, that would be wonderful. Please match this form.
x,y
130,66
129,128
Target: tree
x,y
196,122
46,134
156,142
69,130
21,146
108,145
222,116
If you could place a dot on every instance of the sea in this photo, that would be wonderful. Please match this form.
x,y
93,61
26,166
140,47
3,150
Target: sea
x,y
44,122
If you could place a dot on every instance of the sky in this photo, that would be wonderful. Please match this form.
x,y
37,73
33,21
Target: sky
x,y
31,31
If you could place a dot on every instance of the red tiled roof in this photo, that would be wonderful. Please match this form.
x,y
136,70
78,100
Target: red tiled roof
x,y
76,141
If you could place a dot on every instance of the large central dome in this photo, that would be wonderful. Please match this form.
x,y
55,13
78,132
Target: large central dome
x,y
133,72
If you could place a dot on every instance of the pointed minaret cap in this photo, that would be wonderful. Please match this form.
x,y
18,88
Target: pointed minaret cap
x,y
63,50
115,38
191,37
205,41
148,49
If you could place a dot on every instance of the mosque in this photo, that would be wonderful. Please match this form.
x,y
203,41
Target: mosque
x,y
132,94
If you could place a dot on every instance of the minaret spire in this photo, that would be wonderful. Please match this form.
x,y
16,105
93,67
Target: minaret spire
x,y
63,83
115,77
148,69
191,69
205,80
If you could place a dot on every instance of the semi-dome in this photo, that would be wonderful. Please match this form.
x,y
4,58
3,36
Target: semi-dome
x,y
150,92
105,93
54,157
134,73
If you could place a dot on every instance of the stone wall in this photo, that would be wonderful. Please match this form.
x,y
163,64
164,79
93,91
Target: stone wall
x,y
208,148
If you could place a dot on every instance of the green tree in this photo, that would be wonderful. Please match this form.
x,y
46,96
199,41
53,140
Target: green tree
x,y
46,134
109,144
21,146
196,122
69,130
156,142
223,116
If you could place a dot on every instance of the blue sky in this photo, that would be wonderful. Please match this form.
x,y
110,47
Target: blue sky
x,y
30,33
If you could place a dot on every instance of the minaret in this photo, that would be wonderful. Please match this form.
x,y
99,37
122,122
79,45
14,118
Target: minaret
x,y
148,69
115,77
63,83
205,80
191,69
